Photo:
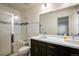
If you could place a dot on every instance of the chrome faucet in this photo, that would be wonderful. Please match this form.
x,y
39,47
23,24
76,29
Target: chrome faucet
x,y
73,36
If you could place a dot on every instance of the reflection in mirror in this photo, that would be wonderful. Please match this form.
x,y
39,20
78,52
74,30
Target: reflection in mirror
x,y
53,22
62,25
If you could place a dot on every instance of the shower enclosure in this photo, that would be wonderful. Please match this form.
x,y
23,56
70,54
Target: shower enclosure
x,y
13,31
20,33
5,33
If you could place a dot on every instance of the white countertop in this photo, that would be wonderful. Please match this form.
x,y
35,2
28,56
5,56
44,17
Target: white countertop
x,y
58,40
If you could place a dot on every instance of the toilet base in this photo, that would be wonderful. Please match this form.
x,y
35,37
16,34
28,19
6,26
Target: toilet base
x,y
23,51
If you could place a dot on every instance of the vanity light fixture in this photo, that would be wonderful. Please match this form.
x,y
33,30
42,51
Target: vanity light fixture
x,y
45,5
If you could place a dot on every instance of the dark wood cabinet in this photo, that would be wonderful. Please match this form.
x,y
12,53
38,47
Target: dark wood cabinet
x,y
39,48
38,51
63,51
51,50
74,52
57,50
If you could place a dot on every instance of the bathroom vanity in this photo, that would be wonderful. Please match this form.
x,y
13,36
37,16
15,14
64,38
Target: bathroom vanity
x,y
53,45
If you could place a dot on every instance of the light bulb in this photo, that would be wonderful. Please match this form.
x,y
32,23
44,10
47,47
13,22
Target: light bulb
x,y
46,5
43,6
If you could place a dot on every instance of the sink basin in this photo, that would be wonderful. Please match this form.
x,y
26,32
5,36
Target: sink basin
x,y
73,41
43,36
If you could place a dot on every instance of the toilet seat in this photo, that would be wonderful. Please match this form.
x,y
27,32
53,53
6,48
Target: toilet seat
x,y
23,51
24,48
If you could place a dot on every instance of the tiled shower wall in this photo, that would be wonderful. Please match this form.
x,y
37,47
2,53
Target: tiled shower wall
x,y
5,34
20,34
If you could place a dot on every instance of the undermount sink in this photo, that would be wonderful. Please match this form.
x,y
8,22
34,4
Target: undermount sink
x,y
73,41
43,36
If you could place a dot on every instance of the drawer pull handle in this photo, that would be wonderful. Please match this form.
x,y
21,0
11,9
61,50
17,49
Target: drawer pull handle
x,y
51,47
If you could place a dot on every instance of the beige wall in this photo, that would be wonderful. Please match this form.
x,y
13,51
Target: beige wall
x,y
33,16
49,20
6,9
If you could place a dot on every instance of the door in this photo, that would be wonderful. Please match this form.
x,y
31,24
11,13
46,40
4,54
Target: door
x,y
63,25
5,34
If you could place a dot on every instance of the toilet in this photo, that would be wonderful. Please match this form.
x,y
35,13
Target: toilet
x,y
23,51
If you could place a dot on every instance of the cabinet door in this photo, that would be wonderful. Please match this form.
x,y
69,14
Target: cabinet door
x,y
63,51
38,51
41,51
51,50
38,48
33,50
74,52
56,50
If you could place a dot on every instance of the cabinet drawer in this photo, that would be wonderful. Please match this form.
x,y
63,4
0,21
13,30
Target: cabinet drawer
x,y
74,52
52,46
38,43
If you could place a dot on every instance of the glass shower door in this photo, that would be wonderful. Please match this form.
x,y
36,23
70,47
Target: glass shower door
x,y
5,34
20,33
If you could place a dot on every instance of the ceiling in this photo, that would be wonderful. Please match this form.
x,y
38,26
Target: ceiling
x,y
25,6
17,6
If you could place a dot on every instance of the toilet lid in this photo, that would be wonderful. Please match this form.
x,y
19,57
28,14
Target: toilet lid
x,y
24,48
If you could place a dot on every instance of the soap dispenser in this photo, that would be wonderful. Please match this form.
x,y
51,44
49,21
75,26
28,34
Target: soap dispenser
x,y
65,37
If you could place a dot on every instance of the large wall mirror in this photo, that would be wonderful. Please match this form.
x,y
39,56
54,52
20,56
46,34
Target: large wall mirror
x,y
60,22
